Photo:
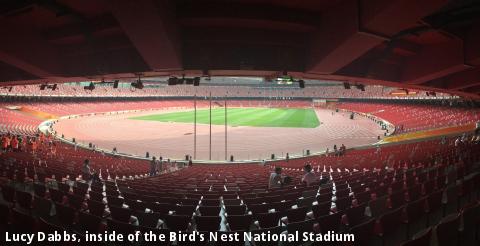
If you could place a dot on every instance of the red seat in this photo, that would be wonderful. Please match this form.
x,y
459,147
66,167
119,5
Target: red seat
x,y
65,188
296,214
210,202
239,242
355,215
184,209
235,209
330,222
323,198
149,220
96,208
162,208
421,239
301,226
228,202
343,203
209,210
24,199
8,193
239,222
39,189
273,230
321,209
415,211
208,223
114,201
42,207
97,196
178,222
397,199
448,230
66,215
363,233
259,208
267,220
75,202
44,226
56,195
471,219
362,197
414,192
4,216
120,214
21,223
121,227
390,222
88,222
434,204
188,202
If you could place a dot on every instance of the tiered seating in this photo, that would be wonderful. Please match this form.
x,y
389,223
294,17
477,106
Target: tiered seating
x,y
64,161
408,117
17,123
373,203
314,90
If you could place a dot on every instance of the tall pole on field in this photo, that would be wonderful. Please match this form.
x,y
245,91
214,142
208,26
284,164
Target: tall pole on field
x,y
195,127
210,144
226,127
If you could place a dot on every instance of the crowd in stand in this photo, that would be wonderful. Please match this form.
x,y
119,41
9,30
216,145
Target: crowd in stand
x,y
30,144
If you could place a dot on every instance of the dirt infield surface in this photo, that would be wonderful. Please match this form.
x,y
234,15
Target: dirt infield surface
x,y
175,140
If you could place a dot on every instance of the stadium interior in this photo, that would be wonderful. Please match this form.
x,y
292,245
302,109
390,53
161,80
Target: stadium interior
x,y
259,116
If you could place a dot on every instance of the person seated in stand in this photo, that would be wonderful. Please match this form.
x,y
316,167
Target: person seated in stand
x,y
309,176
153,166
276,179
86,172
160,165
343,149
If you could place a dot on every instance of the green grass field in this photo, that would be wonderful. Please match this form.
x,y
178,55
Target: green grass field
x,y
257,117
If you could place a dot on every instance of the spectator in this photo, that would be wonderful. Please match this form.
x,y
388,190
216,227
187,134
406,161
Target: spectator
x,y
160,165
86,172
276,179
5,142
457,142
153,166
309,176
14,144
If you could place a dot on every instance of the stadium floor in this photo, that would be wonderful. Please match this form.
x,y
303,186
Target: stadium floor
x,y
175,140
257,117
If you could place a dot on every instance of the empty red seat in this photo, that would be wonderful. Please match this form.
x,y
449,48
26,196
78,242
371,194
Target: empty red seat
x,y
267,220
209,210
120,214
239,222
207,223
